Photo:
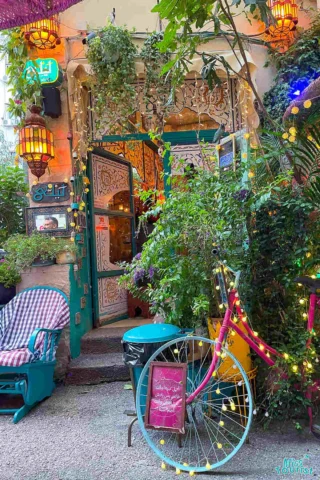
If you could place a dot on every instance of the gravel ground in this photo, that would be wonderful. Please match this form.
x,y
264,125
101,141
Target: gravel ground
x,y
80,433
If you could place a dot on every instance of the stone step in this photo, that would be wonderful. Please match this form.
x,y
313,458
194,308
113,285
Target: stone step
x,y
97,368
103,340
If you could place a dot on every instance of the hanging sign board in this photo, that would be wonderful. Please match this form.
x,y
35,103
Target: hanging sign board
x,y
47,69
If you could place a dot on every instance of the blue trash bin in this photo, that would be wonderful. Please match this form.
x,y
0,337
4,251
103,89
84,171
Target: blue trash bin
x,y
140,343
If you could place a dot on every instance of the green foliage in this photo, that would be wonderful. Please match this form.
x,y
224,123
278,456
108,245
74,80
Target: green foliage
x,y
23,249
9,275
23,93
296,69
205,210
154,62
112,57
13,188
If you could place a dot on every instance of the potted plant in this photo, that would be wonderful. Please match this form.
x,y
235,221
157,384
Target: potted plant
x,y
66,252
9,277
36,250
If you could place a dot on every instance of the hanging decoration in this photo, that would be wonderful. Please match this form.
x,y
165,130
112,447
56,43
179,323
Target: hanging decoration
x,y
43,34
36,142
285,14
17,13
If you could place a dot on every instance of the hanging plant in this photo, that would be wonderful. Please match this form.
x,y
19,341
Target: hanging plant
x,y
111,53
157,86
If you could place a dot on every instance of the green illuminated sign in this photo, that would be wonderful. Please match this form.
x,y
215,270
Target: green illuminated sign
x,y
47,69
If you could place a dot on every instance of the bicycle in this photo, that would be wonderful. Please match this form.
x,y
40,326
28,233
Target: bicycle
x,y
188,390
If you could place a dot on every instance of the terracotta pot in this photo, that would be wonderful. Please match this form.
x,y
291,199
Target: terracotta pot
x,y
66,257
6,294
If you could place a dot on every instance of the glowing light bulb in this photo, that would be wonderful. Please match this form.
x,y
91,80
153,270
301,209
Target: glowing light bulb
x,y
231,284
178,471
233,333
200,344
219,445
255,334
268,354
221,306
191,473
163,466
251,174
307,104
261,346
285,356
176,351
208,466
217,287
309,365
217,270
186,464
302,301
244,319
218,391
313,277
308,254
295,368
214,374
218,354
294,110
304,315
223,355
237,302
162,442
233,407
224,408
246,136
221,423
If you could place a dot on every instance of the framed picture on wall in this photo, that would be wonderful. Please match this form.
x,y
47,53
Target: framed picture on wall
x,y
54,221
227,154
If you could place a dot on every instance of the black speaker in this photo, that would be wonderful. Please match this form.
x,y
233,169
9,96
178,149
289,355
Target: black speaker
x,y
51,102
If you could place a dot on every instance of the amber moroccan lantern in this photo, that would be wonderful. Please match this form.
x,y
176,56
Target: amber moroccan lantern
x,y
43,34
285,14
36,142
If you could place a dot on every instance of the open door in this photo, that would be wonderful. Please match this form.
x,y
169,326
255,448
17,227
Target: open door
x,y
112,232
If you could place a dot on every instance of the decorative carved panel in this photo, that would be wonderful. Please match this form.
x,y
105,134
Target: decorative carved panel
x,y
109,178
112,298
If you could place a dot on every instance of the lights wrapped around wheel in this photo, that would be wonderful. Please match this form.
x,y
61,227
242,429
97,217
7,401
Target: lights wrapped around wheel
x,y
36,142
285,13
43,34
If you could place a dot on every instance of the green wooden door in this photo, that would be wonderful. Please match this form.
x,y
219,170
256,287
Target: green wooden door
x,y
112,232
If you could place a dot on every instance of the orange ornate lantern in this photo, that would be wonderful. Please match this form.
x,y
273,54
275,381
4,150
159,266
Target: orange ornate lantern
x,y
43,34
36,142
285,14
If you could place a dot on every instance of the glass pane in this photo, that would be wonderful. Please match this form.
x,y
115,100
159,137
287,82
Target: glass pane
x,y
113,241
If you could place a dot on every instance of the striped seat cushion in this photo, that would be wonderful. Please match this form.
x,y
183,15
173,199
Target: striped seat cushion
x,y
38,308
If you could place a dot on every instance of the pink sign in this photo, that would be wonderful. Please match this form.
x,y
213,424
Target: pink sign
x,y
166,397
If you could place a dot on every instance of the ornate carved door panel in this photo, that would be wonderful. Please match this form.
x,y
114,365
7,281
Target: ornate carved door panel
x,y
112,228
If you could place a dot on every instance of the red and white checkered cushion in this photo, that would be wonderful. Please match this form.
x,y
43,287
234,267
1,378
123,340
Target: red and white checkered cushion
x,y
38,308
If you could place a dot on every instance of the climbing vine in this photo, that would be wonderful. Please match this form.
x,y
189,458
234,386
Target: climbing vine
x,y
296,69
23,92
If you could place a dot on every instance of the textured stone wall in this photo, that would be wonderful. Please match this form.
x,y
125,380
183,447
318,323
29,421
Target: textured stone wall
x,y
53,276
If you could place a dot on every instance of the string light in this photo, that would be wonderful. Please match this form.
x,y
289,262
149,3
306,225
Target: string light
x,y
295,368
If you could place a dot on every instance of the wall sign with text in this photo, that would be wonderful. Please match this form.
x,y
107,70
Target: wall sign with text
x,y
50,192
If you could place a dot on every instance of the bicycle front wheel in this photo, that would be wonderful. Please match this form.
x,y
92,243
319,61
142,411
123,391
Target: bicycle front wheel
x,y
217,421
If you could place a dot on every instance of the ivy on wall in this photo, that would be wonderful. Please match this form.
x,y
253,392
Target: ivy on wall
x,y
296,69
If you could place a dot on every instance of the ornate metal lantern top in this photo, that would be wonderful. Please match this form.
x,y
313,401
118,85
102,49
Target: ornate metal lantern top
x,y
285,13
36,142
43,34
15,13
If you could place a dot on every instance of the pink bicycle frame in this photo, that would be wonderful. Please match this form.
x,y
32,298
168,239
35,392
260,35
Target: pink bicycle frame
x,y
253,340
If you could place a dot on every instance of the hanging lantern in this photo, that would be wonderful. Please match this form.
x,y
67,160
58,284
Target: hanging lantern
x,y
36,142
43,34
285,14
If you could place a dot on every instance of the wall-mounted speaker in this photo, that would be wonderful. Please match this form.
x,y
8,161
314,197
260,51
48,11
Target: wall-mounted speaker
x,y
51,102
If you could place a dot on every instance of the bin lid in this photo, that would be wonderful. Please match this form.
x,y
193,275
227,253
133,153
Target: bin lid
x,y
151,333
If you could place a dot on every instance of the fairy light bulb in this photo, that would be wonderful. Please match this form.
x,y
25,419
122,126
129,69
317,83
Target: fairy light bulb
x,y
200,344
304,315
208,466
255,334
233,333
285,356
162,442
261,346
178,471
218,391
217,270
302,301
214,374
221,423
224,408
163,466
238,302
221,306
295,368
217,287
244,319
294,110
223,355
233,407
308,254
268,354
231,284
218,354
176,351
309,365
235,319
219,445
191,473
